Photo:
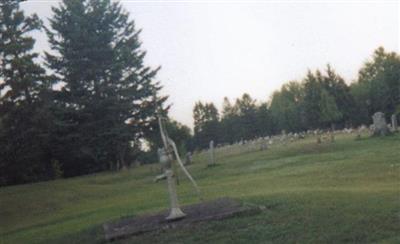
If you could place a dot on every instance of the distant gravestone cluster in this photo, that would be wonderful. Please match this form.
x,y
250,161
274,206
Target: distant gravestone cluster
x,y
378,127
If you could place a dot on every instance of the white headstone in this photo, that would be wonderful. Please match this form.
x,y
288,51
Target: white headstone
x,y
394,122
212,153
380,126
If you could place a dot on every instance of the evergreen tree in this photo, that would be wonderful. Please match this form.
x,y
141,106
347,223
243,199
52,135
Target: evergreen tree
x,y
264,122
246,110
108,99
287,107
312,97
340,91
24,89
227,125
206,124
329,111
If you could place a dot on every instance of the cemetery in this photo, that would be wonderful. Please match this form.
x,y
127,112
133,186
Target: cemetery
x,y
239,137
300,191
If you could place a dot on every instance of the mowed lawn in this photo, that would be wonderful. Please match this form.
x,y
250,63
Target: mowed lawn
x,y
347,191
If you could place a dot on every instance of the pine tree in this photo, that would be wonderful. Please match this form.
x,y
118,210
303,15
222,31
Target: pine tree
x,y
312,96
335,85
206,124
329,110
287,107
109,97
246,110
24,135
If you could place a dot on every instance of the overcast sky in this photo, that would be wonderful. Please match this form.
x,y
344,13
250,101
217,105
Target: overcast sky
x,y
212,49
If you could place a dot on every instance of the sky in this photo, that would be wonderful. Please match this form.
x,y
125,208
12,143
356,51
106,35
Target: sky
x,y
211,49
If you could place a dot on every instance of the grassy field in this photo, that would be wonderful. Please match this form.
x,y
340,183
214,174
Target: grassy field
x,y
347,191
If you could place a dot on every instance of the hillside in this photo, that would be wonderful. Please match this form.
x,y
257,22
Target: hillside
x,y
347,191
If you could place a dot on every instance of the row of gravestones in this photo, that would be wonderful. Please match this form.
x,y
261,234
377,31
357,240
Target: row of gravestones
x,y
379,127
261,143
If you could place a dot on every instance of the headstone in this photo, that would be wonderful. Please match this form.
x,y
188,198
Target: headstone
x,y
318,139
188,158
318,134
332,135
358,136
212,153
394,122
380,126
264,145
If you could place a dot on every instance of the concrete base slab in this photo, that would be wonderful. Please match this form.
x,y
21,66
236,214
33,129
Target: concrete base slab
x,y
205,211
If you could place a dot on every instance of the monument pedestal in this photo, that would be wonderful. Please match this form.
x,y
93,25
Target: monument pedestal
x,y
206,211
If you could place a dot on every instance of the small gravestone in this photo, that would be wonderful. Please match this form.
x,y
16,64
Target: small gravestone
x,y
264,145
358,136
380,126
212,154
394,122
188,158
319,139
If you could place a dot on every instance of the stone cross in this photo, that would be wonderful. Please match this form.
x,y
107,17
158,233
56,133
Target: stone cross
x,y
380,126
394,122
212,153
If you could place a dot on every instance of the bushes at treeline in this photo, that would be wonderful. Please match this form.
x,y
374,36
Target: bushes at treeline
x,y
322,99
93,110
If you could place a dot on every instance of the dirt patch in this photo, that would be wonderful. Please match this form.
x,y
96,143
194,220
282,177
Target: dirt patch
x,y
205,211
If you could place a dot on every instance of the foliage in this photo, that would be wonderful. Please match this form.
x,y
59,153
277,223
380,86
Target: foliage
x,y
206,124
24,91
287,107
108,99
329,111
378,84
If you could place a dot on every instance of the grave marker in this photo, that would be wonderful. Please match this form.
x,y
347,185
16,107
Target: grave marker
x,y
394,122
380,126
212,154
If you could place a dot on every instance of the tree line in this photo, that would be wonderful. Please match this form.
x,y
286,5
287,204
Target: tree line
x,y
321,100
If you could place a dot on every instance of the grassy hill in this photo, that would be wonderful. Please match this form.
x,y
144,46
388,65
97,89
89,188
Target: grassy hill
x,y
347,191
